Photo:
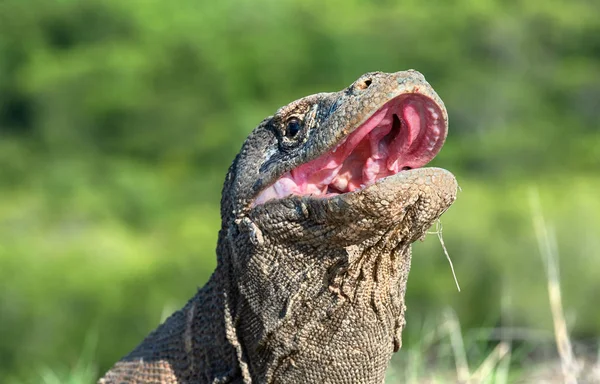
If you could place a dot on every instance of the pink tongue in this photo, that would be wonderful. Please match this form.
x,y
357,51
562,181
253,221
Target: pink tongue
x,y
406,138
323,169
365,155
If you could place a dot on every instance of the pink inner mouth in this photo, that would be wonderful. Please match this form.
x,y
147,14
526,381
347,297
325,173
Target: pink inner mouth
x,y
407,132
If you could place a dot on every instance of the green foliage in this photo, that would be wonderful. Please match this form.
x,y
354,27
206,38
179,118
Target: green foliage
x,y
118,120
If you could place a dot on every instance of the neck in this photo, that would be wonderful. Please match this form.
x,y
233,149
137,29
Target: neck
x,y
199,338
211,337
343,306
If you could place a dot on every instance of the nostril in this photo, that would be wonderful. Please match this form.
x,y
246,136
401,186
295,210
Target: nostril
x,y
364,84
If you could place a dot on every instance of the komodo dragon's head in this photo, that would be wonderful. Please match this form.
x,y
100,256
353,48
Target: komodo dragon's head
x,y
319,211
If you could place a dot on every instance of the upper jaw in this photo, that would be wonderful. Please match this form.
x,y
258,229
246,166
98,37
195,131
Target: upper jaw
x,y
355,109
330,164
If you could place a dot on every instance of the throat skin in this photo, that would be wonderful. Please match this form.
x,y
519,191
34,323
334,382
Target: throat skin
x,y
307,289
342,330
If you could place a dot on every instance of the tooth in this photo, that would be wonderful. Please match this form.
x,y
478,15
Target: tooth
x,y
265,195
340,183
315,189
372,169
432,143
433,113
394,166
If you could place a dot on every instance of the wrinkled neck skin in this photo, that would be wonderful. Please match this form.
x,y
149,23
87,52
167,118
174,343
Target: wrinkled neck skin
x,y
311,302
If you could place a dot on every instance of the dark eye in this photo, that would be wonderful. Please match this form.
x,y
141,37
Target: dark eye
x,y
293,127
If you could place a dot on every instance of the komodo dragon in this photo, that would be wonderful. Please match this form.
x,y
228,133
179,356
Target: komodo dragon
x,y
319,210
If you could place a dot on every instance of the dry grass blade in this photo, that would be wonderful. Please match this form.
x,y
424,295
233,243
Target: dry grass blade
x,y
438,232
548,250
452,326
503,369
488,365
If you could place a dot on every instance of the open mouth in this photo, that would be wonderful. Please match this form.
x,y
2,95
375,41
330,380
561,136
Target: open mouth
x,y
406,132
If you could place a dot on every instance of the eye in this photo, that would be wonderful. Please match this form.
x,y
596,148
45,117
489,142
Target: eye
x,y
292,128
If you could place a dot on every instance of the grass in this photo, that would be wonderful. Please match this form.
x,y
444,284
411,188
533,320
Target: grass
x,y
417,366
84,371
87,268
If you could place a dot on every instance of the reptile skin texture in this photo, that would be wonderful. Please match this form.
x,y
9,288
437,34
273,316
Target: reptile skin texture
x,y
307,288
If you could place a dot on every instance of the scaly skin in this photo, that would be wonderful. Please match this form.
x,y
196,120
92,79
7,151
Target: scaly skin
x,y
307,289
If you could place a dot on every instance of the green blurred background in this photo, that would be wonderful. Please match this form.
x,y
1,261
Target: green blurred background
x,y
118,120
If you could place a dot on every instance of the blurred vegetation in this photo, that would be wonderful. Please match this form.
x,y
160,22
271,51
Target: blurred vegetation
x,y
118,120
